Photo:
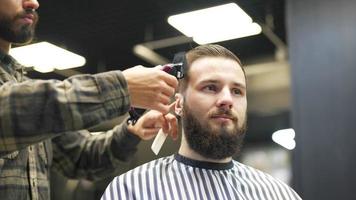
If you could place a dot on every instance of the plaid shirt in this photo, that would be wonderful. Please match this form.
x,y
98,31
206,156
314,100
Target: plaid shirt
x,y
42,124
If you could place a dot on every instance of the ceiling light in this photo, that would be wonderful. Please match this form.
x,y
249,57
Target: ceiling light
x,y
45,57
215,24
285,138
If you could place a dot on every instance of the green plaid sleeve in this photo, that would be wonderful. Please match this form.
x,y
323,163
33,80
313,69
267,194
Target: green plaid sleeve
x,y
93,156
35,110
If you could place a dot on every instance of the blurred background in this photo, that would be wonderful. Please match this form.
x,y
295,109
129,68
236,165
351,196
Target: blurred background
x,y
302,80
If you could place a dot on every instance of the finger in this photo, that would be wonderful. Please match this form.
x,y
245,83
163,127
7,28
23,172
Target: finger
x,y
164,99
152,124
160,67
148,119
159,120
173,125
167,90
150,133
172,105
162,108
170,80
165,126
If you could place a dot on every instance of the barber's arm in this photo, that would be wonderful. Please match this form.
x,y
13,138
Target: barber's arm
x,y
83,155
36,110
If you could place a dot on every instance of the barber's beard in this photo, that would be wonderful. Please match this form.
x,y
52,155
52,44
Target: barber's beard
x,y
18,34
211,142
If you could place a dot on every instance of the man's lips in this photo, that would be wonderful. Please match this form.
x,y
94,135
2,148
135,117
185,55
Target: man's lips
x,y
223,118
28,18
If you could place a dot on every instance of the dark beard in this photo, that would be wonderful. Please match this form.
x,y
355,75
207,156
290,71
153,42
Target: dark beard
x,y
212,144
18,35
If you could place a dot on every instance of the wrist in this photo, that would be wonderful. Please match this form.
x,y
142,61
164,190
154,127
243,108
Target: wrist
x,y
135,114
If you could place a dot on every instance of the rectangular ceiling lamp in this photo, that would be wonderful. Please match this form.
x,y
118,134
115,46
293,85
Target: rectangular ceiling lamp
x,y
215,24
45,57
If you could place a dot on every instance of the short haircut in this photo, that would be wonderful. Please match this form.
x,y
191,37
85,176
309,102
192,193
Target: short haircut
x,y
210,50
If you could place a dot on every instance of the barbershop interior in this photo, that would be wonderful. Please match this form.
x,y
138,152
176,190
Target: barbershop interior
x,y
300,65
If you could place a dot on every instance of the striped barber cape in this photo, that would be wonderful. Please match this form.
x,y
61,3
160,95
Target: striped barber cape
x,y
178,177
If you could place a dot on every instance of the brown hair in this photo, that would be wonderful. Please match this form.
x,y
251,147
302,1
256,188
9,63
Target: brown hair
x,y
210,50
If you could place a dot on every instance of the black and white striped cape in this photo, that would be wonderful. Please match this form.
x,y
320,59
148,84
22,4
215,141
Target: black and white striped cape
x,y
178,177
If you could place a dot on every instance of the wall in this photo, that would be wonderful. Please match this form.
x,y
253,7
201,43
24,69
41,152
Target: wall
x,y
322,50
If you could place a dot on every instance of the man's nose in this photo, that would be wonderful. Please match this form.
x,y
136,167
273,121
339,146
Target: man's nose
x,y
225,99
30,4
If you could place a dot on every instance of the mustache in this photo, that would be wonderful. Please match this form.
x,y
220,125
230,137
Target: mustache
x,y
224,112
28,12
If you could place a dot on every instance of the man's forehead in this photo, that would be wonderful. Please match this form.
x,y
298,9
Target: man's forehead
x,y
214,67
212,62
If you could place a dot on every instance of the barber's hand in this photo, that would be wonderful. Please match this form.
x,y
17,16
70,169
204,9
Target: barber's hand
x,y
150,88
148,125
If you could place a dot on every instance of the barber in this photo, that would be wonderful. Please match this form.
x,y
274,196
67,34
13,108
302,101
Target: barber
x,y
43,123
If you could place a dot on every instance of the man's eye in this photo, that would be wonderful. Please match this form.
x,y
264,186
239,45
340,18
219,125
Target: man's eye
x,y
237,91
210,88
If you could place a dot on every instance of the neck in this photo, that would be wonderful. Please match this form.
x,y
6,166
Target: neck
x,y
5,46
186,151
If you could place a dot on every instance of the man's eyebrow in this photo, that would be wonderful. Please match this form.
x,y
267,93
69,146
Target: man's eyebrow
x,y
240,85
209,81
235,84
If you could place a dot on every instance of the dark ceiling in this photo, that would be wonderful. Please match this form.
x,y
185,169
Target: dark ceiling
x,y
104,32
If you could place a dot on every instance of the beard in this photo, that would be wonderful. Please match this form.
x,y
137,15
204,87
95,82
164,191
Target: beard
x,y
210,142
18,34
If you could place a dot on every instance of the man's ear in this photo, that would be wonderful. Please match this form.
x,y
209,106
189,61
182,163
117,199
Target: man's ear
x,y
178,108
